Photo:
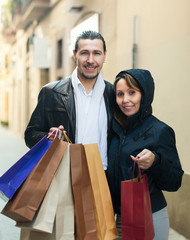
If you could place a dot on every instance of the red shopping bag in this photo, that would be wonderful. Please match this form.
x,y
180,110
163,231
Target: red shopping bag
x,y
136,210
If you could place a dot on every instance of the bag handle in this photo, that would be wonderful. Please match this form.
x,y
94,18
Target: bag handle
x,y
139,171
66,137
64,133
55,130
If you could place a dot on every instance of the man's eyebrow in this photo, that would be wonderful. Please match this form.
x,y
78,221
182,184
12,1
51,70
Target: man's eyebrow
x,y
98,50
84,50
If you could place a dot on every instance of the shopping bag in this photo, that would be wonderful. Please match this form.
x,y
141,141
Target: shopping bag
x,y
24,204
62,209
44,218
136,210
27,234
104,214
12,179
82,192
64,219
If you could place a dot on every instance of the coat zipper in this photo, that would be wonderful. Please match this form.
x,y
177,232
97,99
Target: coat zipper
x,y
124,137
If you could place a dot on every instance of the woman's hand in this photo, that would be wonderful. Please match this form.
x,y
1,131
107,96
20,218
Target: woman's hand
x,y
144,158
53,134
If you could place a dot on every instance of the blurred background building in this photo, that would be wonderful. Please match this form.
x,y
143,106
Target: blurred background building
x,y
36,45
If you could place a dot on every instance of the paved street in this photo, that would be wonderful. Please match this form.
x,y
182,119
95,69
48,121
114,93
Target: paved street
x,y
13,148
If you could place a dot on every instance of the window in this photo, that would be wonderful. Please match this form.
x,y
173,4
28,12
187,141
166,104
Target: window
x,y
59,53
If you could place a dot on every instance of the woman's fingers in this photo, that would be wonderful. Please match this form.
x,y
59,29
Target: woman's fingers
x,y
145,159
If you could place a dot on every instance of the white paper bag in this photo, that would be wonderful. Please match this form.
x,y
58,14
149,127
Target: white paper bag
x,y
64,225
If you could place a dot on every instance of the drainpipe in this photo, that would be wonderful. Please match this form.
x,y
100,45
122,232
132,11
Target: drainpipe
x,y
134,49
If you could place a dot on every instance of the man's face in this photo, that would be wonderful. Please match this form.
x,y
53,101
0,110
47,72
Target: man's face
x,y
89,58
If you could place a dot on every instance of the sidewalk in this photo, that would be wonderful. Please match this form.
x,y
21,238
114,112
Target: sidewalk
x,y
13,148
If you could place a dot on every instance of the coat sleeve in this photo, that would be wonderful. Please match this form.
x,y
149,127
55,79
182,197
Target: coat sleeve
x,y
166,170
36,128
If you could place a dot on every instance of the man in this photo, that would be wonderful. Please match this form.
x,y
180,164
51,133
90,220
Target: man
x,y
82,103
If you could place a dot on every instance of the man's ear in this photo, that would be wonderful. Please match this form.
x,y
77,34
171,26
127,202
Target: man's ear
x,y
105,53
74,55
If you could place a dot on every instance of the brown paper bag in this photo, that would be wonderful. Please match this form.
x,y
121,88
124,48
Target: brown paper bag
x,y
82,191
64,224
45,216
27,234
23,206
106,226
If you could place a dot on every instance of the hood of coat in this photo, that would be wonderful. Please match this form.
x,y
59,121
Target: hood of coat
x,y
146,84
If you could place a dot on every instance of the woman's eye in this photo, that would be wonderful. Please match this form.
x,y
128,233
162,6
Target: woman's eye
x,y
120,94
131,92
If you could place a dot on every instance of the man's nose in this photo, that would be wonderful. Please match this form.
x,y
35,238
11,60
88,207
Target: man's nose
x,y
90,58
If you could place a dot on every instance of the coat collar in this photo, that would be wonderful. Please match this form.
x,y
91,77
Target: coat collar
x,y
63,86
139,132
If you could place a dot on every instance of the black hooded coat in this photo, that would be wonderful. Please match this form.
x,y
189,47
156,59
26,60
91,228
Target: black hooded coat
x,y
144,131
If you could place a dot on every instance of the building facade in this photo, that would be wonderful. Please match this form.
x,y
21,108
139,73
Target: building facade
x,y
155,35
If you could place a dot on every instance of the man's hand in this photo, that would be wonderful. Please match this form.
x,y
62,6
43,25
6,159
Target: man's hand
x,y
53,132
145,159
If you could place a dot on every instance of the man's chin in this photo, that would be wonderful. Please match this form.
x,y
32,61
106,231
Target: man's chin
x,y
87,77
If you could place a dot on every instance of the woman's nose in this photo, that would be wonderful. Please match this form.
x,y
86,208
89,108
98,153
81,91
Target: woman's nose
x,y
126,98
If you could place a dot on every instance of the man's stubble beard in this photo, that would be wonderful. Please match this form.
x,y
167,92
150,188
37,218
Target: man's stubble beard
x,y
89,77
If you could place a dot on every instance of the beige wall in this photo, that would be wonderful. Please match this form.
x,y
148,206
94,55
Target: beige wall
x,y
4,90
178,207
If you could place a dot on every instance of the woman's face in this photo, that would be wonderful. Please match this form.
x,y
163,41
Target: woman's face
x,y
128,99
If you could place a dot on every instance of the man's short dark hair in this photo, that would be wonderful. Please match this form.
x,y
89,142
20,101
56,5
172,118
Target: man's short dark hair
x,y
90,35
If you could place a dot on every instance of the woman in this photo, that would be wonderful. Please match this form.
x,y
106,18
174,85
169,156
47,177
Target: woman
x,y
138,135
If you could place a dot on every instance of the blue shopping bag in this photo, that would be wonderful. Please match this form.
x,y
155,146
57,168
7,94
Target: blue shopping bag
x,y
12,179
